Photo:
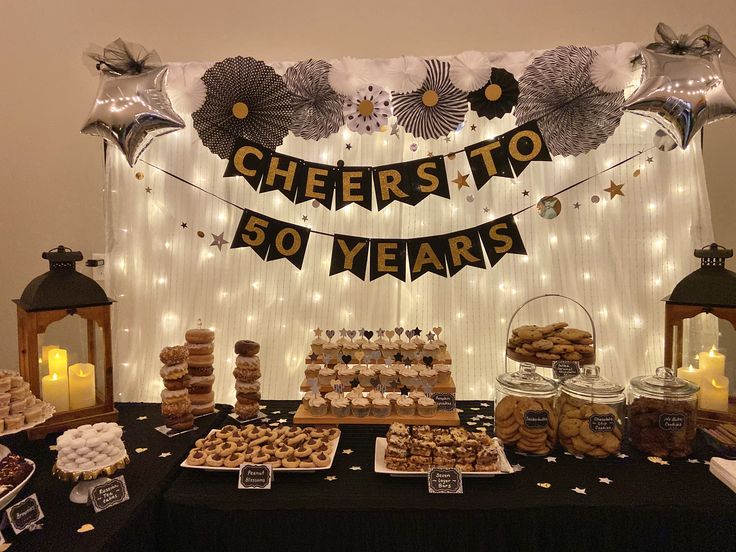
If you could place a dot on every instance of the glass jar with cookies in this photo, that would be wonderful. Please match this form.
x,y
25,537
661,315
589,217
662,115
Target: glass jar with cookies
x,y
663,414
591,411
525,417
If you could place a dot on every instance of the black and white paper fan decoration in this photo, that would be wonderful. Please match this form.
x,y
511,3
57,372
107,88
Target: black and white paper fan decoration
x,y
317,107
245,98
436,108
497,97
573,115
367,110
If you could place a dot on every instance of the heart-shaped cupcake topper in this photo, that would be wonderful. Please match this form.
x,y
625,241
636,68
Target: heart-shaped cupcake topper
x,y
428,360
346,359
351,334
389,333
330,334
317,332
359,355
437,330
399,330
368,334
430,336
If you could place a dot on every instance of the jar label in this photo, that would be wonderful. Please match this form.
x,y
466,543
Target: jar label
x,y
563,369
536,418
602,423
674,421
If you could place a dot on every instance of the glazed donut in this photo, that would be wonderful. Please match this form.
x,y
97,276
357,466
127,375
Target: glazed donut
x,y
198,349
199,399
234,460
246,347
201,360
201,382
173,371
173,355
201,370
199,335
247,375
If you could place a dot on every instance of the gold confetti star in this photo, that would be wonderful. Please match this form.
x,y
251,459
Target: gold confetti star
x,y
53,447
614,189
86,528
330,478
578,490
142,418
544,485
139,450
347,451
605,480
461,180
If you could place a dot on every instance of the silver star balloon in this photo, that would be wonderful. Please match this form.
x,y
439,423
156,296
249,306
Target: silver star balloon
x,y
686,90
131,110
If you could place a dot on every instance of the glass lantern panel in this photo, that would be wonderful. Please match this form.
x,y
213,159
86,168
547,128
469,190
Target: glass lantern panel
x,y
699,333
83,345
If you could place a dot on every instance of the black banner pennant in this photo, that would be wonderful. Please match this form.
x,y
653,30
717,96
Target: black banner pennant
x,y
525,144
353,185
283,174
388,257
316,183
287,241
488,159
349,253
427,255
252,232
390,184
425,177
463,249
248,160
499,237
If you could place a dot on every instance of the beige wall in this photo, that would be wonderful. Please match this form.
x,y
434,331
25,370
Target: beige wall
x,y
52,176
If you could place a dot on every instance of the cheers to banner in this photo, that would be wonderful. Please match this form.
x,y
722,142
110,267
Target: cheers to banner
x,y
408,182
443,255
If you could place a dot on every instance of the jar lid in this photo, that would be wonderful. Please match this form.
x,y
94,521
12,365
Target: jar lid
x,y
591,383
527,381
664,383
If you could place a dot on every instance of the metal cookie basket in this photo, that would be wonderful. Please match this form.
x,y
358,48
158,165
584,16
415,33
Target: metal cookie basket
x,y
511,351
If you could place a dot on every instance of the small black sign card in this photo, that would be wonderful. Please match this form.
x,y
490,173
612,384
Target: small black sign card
x,y
109,494
445,401
445,480
255,476
602,423
565,368
536,418
24,514
674,421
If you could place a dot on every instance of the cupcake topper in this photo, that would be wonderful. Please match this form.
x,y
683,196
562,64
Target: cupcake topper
x,y
380,332
368,334
314,385
428,361
407,362
361,332
351,334
317,332
346,359
437,330
389,333
399,330
343,333
416,331
199,323
359,355
337,387
381,388
427,389
330,334
397,357
430,336
313,358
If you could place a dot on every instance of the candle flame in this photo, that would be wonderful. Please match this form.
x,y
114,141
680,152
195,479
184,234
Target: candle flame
x,y
713,351
54,376
691,368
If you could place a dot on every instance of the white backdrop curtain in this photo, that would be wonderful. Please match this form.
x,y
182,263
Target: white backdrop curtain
x,y
617,257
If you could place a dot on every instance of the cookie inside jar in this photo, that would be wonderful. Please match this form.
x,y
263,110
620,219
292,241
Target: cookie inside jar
x,y
525,416
591,412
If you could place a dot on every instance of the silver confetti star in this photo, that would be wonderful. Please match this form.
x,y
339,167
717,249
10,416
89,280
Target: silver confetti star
x,y
142,418
164,455
693,461
578,490
355,468
622,455
517,467
551,459
605,480
218,240
282,420
485,405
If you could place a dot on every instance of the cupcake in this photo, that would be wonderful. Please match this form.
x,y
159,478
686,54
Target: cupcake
x,y
350,348
340,407
405,406
428,377
381,407
416,394
356,392
431,349
374,394
393,397
332,396
409,350
409,377
346,374
308,396
317,406
443,373
366,376
361,407
387,376
325,375
371,352
417,340
318,344
330,352
312,371
426,407
389,350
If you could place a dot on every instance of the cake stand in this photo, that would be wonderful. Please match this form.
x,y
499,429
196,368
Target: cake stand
x,y
88,479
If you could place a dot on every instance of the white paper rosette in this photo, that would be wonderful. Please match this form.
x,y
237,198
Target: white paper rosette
x,y
470,70
185,87
403,74
349,73
612,69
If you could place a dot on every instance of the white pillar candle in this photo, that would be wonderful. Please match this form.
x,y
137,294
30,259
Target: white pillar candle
x,y
690,374
55,390
714,394
81,385
58,362
712,363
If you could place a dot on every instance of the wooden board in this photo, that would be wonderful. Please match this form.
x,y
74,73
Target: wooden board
x,y
380,361
442,418
439,388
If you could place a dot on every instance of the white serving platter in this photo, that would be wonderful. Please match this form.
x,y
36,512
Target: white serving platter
x,y
333,452
379,465
47,411
8,498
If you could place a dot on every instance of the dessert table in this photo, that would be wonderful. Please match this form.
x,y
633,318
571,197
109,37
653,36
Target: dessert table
x,y
643,506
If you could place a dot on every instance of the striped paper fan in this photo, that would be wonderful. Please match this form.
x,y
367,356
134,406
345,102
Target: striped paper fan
x,y
317,107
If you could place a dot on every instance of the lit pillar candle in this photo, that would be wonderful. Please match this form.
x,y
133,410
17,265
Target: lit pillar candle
x,y
45,354
58,362
712,363
714,395
693,375
55,390
81,385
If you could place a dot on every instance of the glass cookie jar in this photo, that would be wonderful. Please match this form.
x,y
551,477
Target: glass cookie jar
x,y
662,414
525,417
591,412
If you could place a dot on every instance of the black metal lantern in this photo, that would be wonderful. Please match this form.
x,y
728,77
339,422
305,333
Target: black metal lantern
x,y
66,307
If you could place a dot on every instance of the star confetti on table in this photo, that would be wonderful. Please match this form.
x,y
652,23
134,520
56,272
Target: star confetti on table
x,y
274,424
473,127
305,218
164,455
292,411
658,460
140,450
395,130
474,408
578,490
517,467
85,528
614,189
650,159
707,462
348,146
461,180
486,405
141,418
330,478
622,455
525,193
605,480
693,461
282,420
355,468
218,240
148,189
184,225
53,447
347,451
544,485
551,459
471,423
576,205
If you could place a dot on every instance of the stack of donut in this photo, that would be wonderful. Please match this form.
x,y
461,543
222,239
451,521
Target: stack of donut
x,y
201,345
175,405
247,373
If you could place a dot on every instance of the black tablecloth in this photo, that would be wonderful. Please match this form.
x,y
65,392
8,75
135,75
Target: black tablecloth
x,y
130,526
646,506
